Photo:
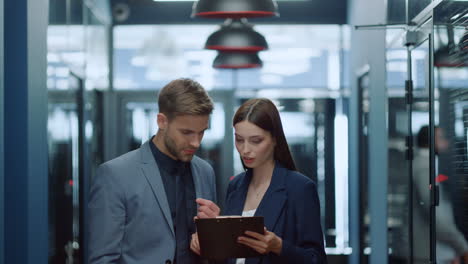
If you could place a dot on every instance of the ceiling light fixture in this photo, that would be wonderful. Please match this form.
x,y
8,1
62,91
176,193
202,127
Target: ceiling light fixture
x,y
449,55
236,35
237,60
234,8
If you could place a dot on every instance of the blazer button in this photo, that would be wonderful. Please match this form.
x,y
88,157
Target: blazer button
x,y
168,261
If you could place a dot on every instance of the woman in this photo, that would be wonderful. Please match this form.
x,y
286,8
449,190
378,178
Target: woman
x,y
271,187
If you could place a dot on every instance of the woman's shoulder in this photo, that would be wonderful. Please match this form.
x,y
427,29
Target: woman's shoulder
x,y
298,181
298,178
236,180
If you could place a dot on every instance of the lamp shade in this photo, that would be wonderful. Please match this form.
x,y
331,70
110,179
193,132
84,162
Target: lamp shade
x,y
237,60
447,57
234,8
463,45
236,35
464,41
450,55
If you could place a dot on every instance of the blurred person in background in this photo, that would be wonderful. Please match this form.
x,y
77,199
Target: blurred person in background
x,y
452,248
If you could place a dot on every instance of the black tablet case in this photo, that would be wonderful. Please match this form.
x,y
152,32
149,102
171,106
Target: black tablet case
x,y
218,236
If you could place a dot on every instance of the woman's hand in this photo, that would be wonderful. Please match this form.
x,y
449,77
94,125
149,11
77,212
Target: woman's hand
x,y
263,244
194,244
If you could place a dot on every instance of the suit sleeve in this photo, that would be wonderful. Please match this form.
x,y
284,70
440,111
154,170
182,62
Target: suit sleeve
x,y
309,246
106,210
213,185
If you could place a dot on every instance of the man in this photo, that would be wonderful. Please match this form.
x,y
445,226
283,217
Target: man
x,y
451,244
142,204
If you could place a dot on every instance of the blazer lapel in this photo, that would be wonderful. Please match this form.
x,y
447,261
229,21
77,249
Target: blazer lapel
x,y
274,199
236,199
151,171
272,203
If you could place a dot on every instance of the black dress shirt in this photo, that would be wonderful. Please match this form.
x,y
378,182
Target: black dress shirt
x,y
180,191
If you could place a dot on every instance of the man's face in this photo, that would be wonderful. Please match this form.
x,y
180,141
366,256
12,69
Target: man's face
x,y
183,134
441,142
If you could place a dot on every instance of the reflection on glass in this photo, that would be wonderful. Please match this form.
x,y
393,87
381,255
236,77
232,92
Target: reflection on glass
x,y
82,48
70,136
363,117
63,183
408,211
398,179
451,75
147,57
97,69
421,166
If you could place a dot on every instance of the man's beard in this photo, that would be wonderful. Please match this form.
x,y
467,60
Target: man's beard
x,y
172,149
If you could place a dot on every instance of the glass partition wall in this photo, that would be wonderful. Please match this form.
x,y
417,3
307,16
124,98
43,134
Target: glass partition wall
x,y
76,70
410,208
450,133
426,81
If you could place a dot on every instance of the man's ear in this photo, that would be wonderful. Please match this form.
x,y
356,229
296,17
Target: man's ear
x,y
162,121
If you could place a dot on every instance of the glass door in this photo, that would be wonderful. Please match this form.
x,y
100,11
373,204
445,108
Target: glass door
x,y
422,160
451,131
363,120
70,135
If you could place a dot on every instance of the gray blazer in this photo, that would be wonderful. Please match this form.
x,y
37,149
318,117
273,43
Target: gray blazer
x,y
129,215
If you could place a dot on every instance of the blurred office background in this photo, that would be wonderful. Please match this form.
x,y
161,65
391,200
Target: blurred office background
x,y
355,81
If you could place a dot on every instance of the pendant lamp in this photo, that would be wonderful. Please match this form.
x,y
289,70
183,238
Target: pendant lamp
x,y
463,46
236,35
446,57
449,55
234,8
237,60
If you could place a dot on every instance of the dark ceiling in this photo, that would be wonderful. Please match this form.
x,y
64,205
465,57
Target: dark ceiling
x,y
302,12
132,12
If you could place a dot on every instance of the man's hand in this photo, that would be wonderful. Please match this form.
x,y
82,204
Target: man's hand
x,y
194,244
207,209
460,259
262,243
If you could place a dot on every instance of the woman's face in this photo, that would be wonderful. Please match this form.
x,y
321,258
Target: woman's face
x,y
254,144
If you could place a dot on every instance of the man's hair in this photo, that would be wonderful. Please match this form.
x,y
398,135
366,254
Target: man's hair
x,y
423,136
184,97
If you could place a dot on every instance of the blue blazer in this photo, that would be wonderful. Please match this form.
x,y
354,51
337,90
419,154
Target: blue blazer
x,y
291,210
129,216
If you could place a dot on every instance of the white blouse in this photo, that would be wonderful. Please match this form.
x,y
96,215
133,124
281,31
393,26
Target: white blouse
x,y
245,213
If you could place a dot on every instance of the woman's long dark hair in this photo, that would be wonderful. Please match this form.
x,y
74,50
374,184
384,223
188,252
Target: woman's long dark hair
x,y
264,114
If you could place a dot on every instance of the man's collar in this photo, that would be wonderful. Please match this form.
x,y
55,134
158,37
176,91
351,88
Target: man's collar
x,y
165,162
